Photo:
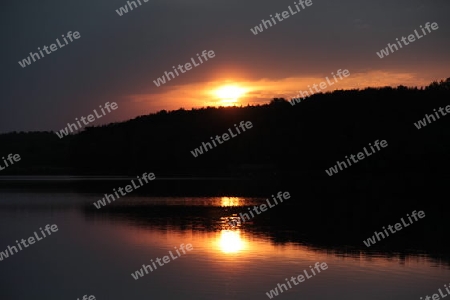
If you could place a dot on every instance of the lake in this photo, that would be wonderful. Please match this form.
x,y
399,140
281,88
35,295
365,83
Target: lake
x,y
95,251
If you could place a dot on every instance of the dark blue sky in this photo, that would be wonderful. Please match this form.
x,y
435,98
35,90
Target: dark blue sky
x,y
117,58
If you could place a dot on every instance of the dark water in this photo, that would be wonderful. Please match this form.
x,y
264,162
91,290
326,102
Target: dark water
x,y
95,251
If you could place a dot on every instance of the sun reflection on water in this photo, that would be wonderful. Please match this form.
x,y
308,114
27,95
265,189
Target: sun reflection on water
x,y
230,241
230,201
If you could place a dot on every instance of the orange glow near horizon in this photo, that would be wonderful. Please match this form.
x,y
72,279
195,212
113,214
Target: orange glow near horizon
x,y
234,89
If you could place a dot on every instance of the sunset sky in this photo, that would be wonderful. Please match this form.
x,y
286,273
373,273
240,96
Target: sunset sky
x,y
117,57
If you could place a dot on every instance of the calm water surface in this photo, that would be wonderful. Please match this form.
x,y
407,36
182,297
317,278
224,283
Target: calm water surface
x,y
94,253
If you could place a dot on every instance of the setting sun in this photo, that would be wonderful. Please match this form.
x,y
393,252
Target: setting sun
x,y
229,94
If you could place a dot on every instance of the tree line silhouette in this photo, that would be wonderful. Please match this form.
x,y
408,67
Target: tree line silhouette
x,y
288,148
286,140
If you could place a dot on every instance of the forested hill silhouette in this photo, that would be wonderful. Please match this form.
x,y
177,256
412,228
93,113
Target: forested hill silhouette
x,y
286,141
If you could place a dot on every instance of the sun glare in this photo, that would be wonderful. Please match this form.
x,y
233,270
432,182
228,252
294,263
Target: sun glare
x,y
229,94
231,241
